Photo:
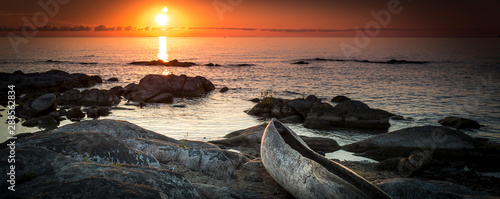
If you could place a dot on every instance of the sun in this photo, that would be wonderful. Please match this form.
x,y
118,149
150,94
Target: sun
x,y
162,19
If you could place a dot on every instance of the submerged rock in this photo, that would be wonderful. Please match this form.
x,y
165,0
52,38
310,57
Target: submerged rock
x,y
224,89
300,62
339,98
459,123
212,64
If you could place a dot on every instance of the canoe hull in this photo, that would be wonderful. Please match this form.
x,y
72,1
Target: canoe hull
x,y
298,169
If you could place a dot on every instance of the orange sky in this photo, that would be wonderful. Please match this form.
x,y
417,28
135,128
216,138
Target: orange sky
x,y
263,17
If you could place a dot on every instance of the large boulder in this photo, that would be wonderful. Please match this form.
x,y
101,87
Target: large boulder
x,y
118,128
350,105
162,98
89,146
370,118
178,86
350,114
303,106
45,103
400,188
196,87
117,90
322,116
47,174
402,142
459,123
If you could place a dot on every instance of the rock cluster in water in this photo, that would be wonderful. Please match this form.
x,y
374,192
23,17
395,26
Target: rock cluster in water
x,y
318,115
56,95
174,62
162,88
54,81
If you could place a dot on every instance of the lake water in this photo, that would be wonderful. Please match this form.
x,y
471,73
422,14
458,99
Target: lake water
x,y
461,78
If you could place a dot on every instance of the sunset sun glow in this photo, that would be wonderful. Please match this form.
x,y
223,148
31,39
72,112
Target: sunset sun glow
x,y
162,18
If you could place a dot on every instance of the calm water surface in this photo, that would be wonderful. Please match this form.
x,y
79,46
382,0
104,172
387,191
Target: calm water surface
x,y
461,78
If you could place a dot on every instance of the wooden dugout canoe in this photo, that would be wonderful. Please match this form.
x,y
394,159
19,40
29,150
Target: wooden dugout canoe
x,y
306,174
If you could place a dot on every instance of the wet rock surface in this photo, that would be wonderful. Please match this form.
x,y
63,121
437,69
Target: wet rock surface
x,y
54,81
92,97
318,115
158,88
402,142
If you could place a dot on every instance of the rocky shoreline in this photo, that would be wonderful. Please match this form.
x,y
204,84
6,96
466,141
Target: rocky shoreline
x,y
110,156
92,158
55,95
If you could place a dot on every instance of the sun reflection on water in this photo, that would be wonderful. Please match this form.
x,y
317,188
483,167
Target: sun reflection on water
x,y
162,54
166,72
